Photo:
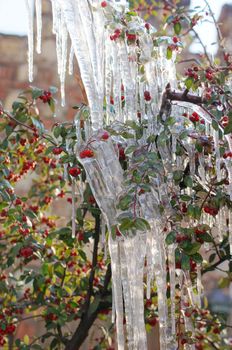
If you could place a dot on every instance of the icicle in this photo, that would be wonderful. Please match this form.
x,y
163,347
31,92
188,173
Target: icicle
x,y
64,42
218,157
230,229
201,168
127,294
30,17
70,65
172,274
199,285
38,5
135,249
73,210
117,291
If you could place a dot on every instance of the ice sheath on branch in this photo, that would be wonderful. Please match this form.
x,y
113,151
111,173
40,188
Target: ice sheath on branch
x,y
127,78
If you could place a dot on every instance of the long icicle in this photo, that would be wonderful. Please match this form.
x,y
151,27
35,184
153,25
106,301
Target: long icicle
x,y
30,17
38,5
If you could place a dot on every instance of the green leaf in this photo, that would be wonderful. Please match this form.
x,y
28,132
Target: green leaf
x,y
206,237
126,224
51,103
177,28
171,238
36,92
215,125
130,149
192,248
59,270
197,258
56,131
188,83
228,128
212,257
125,202
169,53
185,198
82,254
185,262
141,224
177,175
38,124
188,181
53,89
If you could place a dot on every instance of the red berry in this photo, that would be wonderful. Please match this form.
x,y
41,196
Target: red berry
x,y
118,233
57,150
147,96
216,330
122,155
87,153
80,236
74,171
188,313
18,201
175,39
105,136
103,4
26,252
152,321
147,26
91,200
23,142
131,37
209,76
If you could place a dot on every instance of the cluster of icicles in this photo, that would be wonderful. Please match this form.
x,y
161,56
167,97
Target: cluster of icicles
x,y
106,65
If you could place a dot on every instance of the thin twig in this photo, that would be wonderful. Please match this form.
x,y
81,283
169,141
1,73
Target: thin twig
x,y
10,116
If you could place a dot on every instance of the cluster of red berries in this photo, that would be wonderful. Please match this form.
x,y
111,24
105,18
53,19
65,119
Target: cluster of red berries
x,y
50,223
47,200
87,153
116,35
194,117
27,165
209,74
184,208
26,252
57,150
147,96
131,36
227,155
8,330
211,211
198,234
192,73
51,317
46,97
74,171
